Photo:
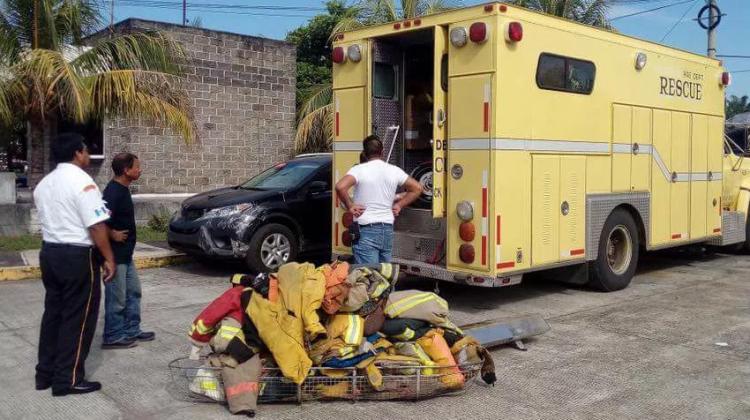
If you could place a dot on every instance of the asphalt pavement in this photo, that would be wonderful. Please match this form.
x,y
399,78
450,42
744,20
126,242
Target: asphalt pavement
x,y
675,344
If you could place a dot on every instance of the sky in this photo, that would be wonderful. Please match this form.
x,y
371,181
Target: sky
x,y
269,19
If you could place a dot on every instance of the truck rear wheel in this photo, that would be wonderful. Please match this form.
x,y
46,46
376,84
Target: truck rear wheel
x,y
617,260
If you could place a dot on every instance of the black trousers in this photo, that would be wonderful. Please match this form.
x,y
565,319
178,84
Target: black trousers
x,y
71,305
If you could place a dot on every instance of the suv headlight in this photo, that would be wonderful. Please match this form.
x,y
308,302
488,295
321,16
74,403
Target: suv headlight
x,y
226,211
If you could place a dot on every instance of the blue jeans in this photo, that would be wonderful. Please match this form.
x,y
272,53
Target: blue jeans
x,y
375,244
122,305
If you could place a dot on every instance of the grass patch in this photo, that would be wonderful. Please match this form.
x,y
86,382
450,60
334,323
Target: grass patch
x,y
148,234
20,243
23,242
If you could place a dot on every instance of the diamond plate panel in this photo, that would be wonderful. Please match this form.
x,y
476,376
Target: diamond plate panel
x,y
732,229
599,207
416,247
420,221
387,112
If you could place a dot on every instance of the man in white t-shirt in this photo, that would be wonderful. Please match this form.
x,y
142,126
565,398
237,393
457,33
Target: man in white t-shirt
x,y
375,204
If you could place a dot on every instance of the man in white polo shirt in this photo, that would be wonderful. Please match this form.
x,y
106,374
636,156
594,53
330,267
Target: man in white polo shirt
x,y
374,205
72,215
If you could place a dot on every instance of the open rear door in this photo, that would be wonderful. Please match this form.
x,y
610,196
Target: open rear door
x,y
439,118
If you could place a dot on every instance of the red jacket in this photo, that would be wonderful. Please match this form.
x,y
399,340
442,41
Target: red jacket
x,y
226,305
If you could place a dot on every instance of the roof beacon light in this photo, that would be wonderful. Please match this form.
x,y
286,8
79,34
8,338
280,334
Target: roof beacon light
x,y
338,56
458,36
726,78
478,32
514,32
354,53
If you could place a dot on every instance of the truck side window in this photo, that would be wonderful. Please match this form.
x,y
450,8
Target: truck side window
x,y
384,81
555,72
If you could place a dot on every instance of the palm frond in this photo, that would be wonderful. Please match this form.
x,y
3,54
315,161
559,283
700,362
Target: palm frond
x,y
55,83
430,7
10,44
75,19
138,93
315,131
315,98
151,51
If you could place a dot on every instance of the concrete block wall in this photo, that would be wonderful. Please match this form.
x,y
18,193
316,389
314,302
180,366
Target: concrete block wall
x,y
242,90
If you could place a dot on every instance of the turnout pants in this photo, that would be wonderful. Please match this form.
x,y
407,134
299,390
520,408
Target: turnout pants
x,y
71,305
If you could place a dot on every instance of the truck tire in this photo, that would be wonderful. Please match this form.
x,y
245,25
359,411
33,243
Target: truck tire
x,y
271,246
617,260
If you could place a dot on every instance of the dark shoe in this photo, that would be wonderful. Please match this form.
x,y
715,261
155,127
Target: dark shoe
x,y
125,343
144,336
248,413
83,387
42,385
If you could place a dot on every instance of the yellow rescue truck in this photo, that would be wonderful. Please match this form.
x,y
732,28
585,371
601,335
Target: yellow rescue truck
x,y
541,143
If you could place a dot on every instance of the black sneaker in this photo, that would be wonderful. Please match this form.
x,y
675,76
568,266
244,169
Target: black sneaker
x,y
83,387
144,336
125,343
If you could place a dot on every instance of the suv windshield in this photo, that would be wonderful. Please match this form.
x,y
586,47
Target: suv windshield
x,y
282,176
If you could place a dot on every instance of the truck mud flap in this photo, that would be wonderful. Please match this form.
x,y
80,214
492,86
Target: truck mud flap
x,y
496,333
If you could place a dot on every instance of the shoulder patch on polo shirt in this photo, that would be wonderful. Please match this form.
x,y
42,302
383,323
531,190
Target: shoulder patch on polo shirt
x,y
89,187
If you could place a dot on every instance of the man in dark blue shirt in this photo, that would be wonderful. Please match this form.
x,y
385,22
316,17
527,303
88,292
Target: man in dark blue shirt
x,y
122,297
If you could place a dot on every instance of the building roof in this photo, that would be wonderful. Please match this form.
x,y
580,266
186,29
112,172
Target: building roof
x,y
138,23
740,119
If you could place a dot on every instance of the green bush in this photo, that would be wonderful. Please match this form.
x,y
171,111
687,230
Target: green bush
x,y
160,221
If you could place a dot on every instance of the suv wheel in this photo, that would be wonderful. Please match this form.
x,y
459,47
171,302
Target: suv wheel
x,y
271,246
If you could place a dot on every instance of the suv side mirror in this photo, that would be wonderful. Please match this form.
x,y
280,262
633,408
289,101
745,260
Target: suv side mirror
x,y
317,187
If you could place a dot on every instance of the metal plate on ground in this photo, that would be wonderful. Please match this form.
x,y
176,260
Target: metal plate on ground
x,y
496,333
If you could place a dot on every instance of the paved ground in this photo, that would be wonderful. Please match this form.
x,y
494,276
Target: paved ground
x,y
647,352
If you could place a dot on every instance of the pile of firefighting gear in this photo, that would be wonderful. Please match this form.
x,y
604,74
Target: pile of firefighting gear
x,y
336,316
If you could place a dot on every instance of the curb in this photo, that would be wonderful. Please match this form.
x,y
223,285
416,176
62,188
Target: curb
x,y
29,272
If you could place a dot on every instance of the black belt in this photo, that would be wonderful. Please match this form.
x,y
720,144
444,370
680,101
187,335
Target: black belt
x,y
58,245
377,224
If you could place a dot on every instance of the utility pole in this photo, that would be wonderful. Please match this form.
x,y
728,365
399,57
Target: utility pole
x,y
184,12
713,15
111,16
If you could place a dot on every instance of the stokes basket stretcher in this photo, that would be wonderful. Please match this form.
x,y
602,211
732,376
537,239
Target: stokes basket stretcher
x,y
196,381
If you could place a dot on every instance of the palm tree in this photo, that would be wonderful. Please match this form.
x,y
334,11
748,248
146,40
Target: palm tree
x,y
49,69
589,12
315,115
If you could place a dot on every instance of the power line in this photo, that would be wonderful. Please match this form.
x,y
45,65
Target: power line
x,y
679,21
208,8
225,6
733,56
740,71
651,10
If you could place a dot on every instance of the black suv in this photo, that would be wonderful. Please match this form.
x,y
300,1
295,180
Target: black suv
x,y
268,221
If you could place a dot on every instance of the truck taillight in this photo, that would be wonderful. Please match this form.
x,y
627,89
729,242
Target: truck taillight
x,y
478,32
514,32
467,231
346,238
338,56
466,253
347,219
726,78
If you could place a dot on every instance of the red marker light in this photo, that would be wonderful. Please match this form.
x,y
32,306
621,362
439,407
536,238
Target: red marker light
x,y
338,56
478,32
515,32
